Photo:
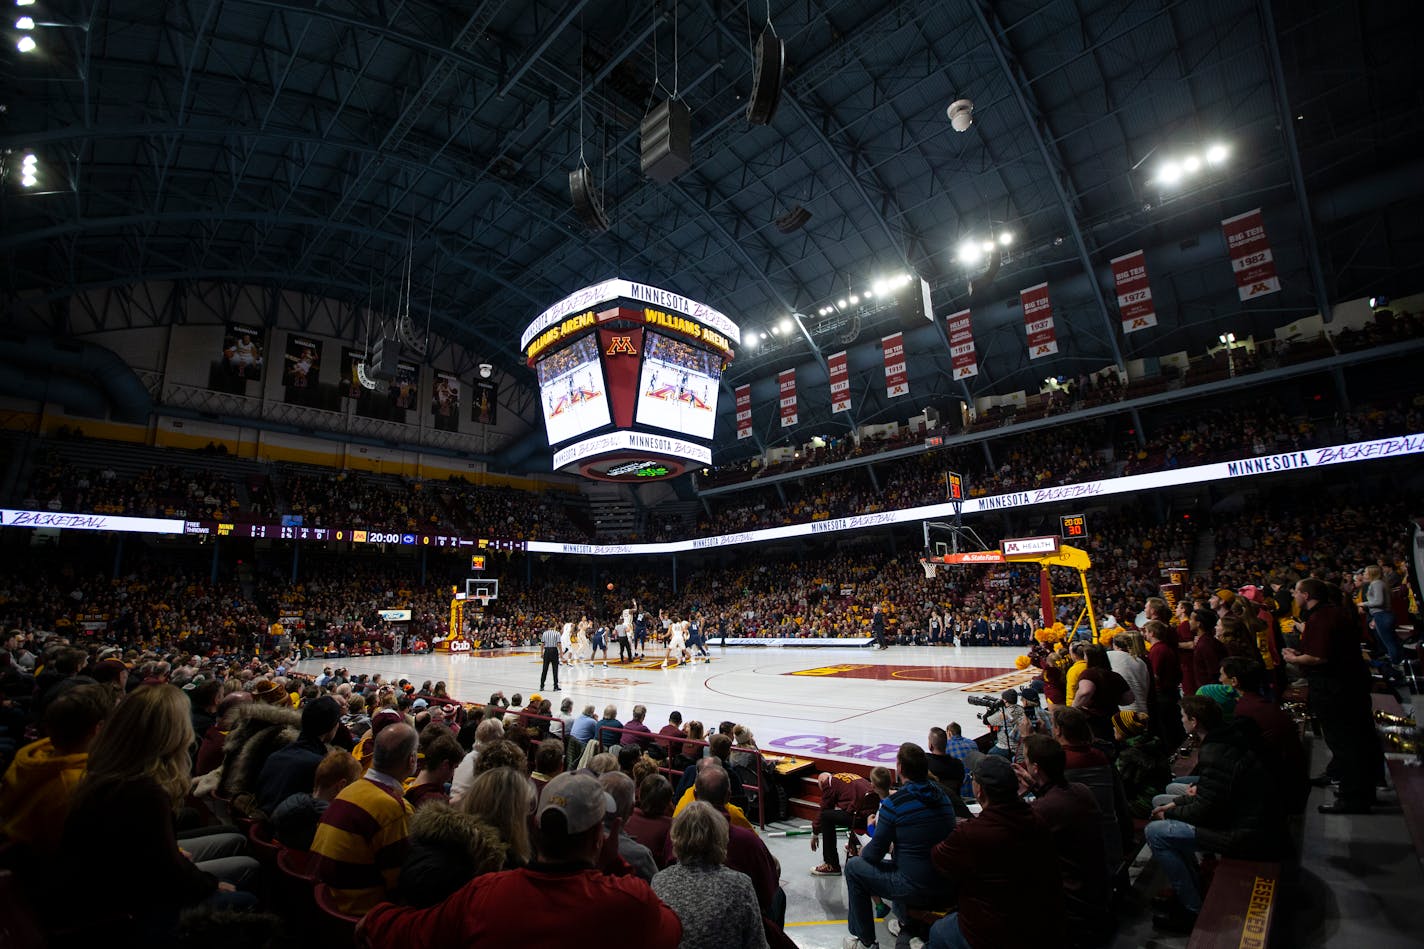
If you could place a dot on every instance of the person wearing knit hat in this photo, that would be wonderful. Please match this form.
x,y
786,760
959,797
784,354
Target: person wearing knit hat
x,y
366,747
1221,600
269,692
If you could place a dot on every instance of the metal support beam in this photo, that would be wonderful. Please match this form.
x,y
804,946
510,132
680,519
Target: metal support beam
x,y
1053,162
1287,124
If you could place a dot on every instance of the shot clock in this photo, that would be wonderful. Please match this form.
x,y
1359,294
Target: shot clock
x,y
1073,526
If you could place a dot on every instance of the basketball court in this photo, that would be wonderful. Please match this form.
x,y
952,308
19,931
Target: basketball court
x,y
852,703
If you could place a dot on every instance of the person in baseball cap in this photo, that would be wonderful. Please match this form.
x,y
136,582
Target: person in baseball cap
x,y
573,803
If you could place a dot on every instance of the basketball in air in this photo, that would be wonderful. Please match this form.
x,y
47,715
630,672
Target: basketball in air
x,y
610,586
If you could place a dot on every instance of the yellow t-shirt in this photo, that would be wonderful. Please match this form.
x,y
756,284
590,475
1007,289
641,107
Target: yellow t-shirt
x,y
735,814
1075,672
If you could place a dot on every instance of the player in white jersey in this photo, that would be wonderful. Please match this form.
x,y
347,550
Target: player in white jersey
x,y
566,645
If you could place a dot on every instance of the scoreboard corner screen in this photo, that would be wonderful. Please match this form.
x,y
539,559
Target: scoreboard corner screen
x,y
624,359
1073,526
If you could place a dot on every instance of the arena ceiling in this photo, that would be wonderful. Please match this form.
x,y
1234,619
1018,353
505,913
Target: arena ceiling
x,y
311,144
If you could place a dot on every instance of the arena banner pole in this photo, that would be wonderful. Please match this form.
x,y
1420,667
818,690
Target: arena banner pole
x,y
1045,595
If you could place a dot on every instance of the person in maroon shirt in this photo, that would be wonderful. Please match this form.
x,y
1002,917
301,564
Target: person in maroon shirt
x,y
846,800
571,893
1207,650
1071,813
1101,692
746,852
673,731
439,758
1339,698
650,824
985,858
1283,753
1162,657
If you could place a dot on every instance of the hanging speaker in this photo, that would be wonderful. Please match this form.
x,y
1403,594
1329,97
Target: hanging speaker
x,y
766,79
666,141
384,356
588,202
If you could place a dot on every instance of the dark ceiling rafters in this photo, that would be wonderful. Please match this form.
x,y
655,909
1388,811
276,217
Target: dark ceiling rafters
x,y
287,140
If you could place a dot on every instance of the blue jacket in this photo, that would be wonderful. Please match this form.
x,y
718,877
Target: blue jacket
x,y
914,819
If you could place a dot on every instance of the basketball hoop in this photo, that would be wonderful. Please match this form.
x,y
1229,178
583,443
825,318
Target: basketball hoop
x,y
930,568
483,599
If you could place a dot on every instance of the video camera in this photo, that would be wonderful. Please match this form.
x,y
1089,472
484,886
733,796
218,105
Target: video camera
x,y
1028,700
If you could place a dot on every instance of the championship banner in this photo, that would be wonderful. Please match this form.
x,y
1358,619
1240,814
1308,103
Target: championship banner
x,y
743,396
840,381
1038,321
1251,257
445,402
963,358
484,407
897,377
786,385
1134,293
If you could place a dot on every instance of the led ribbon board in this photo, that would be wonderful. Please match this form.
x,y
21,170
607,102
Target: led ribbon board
x,y
619,289
1398,446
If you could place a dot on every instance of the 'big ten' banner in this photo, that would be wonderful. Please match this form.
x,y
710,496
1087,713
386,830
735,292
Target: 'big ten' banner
x,y
744,411
1134,293
786,385
622,358
840,381
897,379
1038,321
963,358
1251,257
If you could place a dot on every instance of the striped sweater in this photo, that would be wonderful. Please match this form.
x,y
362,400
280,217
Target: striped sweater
x,y
361,843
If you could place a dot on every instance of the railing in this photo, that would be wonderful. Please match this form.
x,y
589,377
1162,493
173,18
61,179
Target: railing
x,y
645,740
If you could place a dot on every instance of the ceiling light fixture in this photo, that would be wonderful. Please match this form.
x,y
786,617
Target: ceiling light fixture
x,y
26,44
1216,154
25,23
1006,238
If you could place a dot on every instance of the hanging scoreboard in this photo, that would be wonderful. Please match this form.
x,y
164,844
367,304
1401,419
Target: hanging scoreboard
x,y
627,374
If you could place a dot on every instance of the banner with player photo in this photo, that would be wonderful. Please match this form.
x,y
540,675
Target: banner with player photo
x,y
484,406
1134,293
404,388
1038,321
1251,258
445,401
963,357
349,385
897,375
743,395
241,359
840,381
786,385
301,370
